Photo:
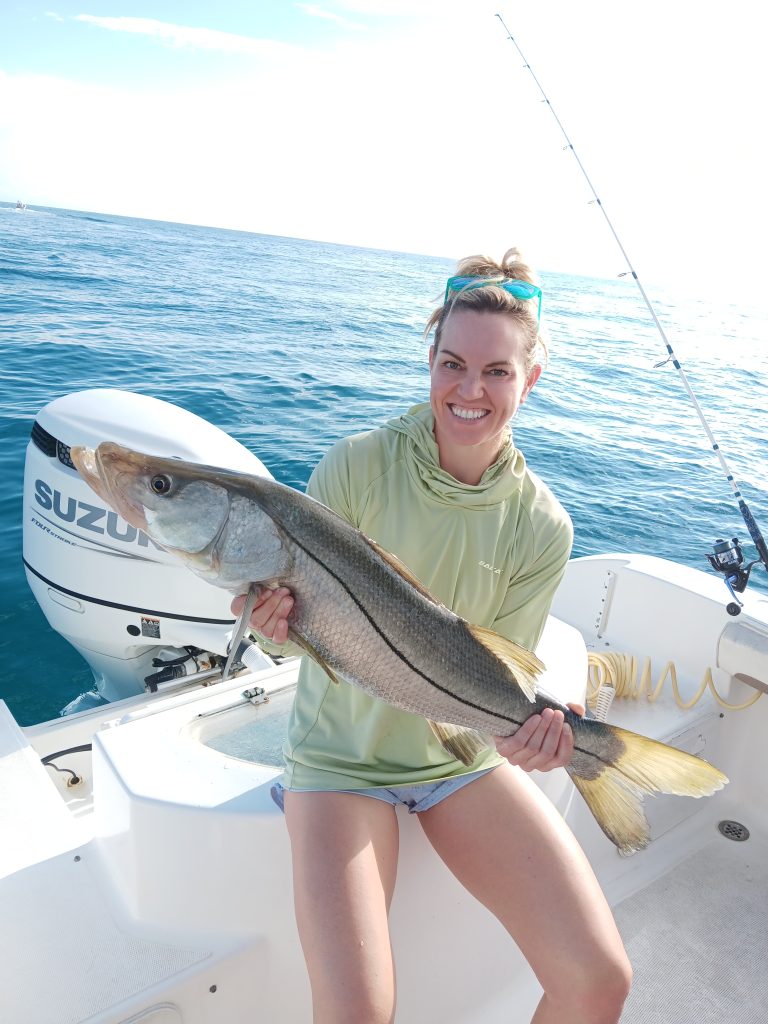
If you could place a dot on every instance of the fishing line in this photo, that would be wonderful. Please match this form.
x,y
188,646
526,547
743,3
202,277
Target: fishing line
x,y
749,520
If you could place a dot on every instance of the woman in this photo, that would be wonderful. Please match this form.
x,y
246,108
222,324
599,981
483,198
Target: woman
x,y
444,488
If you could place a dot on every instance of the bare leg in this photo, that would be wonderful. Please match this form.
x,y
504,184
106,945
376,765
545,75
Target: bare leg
x,y
510,848
345,851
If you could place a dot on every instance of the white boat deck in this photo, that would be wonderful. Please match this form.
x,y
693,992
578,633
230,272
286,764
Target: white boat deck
x,y
36,822
71,949
698,939
60,935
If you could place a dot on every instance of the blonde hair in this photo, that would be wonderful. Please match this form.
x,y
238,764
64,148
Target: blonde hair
x,y
495,300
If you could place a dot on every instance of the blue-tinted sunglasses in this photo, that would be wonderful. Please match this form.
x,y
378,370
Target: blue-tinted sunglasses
x,y
520,289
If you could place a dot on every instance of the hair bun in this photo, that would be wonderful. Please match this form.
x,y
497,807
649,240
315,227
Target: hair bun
x,y
512,266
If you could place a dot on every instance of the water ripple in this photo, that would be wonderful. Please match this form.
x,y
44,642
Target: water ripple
x,y
289,345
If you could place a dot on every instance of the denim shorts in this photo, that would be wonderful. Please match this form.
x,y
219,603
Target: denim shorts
x,y
418,797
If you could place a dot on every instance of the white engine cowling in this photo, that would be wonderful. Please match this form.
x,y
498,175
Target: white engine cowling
x,y
105,586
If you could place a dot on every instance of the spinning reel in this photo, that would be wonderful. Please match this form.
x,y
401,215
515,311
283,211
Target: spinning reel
x,y
728,559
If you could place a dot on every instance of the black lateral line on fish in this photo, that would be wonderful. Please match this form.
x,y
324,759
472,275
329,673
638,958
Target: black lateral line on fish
x,y
442,689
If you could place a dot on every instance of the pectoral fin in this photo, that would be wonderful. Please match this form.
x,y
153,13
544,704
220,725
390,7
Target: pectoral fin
x,y
310,650
463,744
523,664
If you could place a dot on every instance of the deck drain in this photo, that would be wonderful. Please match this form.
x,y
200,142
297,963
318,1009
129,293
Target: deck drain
x,y
733,830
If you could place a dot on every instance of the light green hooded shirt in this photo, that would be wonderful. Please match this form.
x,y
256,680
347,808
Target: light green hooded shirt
x,y
494,552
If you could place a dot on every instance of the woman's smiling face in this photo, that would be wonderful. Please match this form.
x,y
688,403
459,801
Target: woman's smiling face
x,y
478,382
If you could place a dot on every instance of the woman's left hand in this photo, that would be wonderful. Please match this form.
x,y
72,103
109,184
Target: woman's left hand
x,y
542,742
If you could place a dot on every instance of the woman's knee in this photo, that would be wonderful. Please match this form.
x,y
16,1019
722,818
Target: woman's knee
x,y
373,1007
598,991
602,999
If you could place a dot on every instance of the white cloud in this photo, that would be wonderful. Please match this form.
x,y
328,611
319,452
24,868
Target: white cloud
x,y
320,12
431,138
186,36
403,8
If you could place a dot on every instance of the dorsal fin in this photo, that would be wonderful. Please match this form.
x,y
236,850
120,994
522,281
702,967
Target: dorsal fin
x,y
523,664
402,570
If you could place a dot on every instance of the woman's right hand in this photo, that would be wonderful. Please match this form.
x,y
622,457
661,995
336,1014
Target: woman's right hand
x,y
270,613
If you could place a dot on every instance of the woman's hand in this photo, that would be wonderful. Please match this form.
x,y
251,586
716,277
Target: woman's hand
x,y
270,613
542,742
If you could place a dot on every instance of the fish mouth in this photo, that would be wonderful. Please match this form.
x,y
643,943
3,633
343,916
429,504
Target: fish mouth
x,y
85,464
101,468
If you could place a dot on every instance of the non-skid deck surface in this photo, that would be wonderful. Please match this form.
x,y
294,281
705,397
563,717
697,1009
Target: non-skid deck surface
x,y
64,956
698,939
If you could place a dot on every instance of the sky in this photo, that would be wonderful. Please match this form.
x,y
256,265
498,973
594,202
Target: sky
x,y
410,125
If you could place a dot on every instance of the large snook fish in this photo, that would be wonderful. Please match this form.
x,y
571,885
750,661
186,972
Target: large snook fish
x,y
361,614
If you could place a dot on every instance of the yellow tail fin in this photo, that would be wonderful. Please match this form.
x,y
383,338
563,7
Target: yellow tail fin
x,y
613,779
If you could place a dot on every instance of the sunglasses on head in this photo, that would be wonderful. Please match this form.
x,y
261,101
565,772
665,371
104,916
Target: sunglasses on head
x,y
520,289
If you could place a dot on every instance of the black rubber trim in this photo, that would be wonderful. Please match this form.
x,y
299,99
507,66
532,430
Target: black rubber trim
x,y
43,440
126,607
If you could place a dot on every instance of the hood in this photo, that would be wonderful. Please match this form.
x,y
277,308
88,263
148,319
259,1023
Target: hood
x,y
497,484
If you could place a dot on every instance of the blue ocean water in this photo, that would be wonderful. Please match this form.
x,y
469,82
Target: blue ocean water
x,y
289,344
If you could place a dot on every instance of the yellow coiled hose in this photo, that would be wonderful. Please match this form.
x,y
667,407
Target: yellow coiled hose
x,y
620,671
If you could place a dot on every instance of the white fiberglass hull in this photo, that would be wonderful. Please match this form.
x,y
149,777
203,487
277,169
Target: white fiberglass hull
x,y
158,889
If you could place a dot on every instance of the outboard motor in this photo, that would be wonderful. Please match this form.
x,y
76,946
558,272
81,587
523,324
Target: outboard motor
x,y
138,617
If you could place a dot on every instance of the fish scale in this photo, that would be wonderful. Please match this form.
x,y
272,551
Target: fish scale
x,y
371,604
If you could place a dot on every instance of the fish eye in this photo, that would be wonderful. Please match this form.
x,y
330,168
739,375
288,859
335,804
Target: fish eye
x,y
160,484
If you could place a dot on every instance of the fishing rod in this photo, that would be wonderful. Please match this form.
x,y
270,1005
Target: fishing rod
x,y
727,557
